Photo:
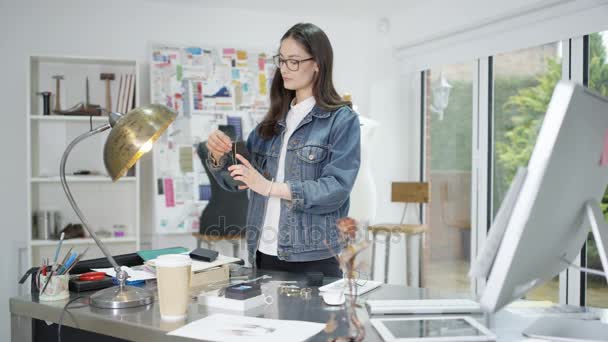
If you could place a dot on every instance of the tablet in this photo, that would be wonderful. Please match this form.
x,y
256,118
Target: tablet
x,y
432,329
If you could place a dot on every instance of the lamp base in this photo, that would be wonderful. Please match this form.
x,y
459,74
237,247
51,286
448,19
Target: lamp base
x,y
118,298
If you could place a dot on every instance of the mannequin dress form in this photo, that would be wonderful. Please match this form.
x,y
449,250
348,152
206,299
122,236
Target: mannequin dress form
x,y
363,194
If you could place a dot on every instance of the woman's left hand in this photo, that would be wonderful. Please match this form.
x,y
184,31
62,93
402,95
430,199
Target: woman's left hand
x,y
247,174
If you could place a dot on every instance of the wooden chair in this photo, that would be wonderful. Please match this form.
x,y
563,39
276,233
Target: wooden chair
x,y
225,215
404,192
211,240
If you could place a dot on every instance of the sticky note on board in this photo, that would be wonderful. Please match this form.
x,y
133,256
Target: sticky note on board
x,y
194,50
236,74
185,159
169,193
241,55
261,63
228,52
160,184
604,156
262,85
180,72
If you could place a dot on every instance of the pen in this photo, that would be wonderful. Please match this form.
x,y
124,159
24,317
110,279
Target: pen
x,y
59,247
76,260
65,259
50,273
68,263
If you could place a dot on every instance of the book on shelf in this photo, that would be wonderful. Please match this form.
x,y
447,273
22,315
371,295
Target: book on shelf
x,y
126,93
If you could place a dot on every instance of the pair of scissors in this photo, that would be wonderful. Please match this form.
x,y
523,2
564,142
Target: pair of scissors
x,y
91,276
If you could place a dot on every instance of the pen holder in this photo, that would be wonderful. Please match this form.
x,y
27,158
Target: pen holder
x,y
57,289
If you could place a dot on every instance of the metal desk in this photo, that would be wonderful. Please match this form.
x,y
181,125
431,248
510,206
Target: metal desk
x,y
145,324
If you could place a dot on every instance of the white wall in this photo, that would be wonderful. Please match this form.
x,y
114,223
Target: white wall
x,y
441,32
125,29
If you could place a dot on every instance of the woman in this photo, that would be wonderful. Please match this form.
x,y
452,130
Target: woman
x,y
304,158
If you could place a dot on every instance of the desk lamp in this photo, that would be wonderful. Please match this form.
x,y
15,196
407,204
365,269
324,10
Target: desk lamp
x,y
131,136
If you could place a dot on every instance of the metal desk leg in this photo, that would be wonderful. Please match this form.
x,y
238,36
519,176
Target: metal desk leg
x,y
413,245
235,247
21,328
408,258
386,256
374,233
210,245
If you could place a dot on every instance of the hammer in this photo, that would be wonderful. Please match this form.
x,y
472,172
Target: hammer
x,y
108,77
58,79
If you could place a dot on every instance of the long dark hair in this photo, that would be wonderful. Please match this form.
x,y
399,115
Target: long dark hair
x,y
316,43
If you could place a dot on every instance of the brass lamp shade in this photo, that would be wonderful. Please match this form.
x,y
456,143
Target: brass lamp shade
x,y
132,136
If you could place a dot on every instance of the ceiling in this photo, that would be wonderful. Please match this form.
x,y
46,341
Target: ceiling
x,y
330,7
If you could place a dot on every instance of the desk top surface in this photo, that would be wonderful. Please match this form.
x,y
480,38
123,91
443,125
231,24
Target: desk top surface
x,y
145,324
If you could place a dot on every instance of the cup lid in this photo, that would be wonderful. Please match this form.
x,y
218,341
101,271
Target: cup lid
x,y
173,260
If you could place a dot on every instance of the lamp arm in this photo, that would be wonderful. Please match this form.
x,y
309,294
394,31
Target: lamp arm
x,y
68,193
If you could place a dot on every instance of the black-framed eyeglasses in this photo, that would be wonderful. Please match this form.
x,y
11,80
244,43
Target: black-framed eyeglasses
x,y
292,64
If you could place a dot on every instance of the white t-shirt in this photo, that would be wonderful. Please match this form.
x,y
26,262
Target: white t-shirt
x,y
269,239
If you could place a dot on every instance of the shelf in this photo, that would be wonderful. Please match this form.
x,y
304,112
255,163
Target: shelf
x,y
82,60
81,241
82,179
168,233
66,118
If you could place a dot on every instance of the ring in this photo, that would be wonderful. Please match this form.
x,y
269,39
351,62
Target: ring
x,y
306,293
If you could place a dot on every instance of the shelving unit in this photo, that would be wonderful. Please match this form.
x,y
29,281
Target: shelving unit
x,y
81,241
96,119
82,179
103,202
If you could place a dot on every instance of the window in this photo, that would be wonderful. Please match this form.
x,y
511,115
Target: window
x,y
597,79
448,137
523,84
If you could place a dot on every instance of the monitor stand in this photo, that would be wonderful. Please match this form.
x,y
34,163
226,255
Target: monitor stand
x,y
599,229
567,329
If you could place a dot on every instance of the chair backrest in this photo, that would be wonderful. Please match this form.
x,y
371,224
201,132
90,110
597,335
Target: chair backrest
x,y
410,192
226,212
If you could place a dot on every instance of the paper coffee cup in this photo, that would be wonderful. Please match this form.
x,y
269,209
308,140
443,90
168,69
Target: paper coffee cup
x,y
173,272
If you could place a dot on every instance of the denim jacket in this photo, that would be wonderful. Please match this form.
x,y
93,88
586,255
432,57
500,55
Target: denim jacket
x,y
321,164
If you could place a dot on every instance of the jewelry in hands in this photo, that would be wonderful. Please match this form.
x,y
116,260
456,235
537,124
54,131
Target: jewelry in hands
x,y
270,188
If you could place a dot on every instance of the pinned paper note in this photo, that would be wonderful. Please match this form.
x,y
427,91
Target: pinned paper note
x,y
236,74
262,84
179,72
169,196
185,159
241,55
604,157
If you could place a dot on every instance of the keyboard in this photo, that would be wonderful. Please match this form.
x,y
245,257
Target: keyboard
x,y
422,306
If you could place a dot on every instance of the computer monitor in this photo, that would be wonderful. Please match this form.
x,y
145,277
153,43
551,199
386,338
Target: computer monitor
x,y
545,218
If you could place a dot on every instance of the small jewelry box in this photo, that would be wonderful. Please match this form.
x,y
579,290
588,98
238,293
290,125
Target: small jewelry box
x,y
243,291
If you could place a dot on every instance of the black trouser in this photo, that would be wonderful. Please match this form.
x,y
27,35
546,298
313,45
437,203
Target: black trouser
x,y
329,267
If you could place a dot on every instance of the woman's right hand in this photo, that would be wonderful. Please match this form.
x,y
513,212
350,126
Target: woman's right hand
x,y
218,144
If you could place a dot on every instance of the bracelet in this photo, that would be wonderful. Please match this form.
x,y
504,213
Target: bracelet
x,y
214,163
270,188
